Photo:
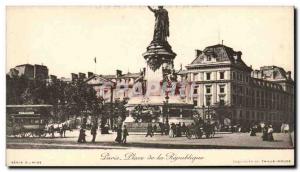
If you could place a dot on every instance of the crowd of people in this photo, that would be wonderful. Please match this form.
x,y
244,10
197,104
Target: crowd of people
x,y
176,130
181,129
173,130
266,129
122,134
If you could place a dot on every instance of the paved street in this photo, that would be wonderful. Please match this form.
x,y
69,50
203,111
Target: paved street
x,y
138,140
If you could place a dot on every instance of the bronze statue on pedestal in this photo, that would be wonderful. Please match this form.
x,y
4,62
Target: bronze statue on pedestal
x,y
159,51
161,27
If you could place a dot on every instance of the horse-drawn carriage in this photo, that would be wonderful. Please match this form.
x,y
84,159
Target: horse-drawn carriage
x,y
28,120
33,121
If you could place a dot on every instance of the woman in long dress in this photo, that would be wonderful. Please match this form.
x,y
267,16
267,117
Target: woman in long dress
x,y
171,131
119,134
270,133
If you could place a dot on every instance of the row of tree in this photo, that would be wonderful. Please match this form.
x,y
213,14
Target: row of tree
x,y
68,99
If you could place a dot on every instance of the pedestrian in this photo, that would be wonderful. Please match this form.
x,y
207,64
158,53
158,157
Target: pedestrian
x,y
81,138
119,134
154,129
94,132
286,128
149,130
162,128
115,128
106,128
282,127
167,128
253,131
125,134
172,130
64,129
179,130
184,128
270,133
61,130
265,133
52,130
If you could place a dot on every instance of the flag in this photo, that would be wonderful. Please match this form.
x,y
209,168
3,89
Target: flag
x,y
95,60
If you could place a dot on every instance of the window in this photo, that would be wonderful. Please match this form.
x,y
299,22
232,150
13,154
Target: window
x,y
208,89
247,78
208,76
222,88
240,90
247,114
195,77
221,75
222,100
195,102
196,90
208,100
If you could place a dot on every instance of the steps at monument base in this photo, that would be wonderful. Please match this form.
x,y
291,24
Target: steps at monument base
x,y
139,126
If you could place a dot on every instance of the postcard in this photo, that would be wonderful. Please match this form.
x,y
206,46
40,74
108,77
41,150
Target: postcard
x,y
150,86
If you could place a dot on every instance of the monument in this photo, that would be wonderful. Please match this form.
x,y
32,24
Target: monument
x,y
160,76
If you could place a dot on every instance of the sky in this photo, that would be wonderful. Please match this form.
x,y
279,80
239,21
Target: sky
x,y
67,39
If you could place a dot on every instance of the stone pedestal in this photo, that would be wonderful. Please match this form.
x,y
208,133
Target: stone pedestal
x,y
159,53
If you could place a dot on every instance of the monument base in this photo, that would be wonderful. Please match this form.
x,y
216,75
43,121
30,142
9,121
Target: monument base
x,y
158,53
139,126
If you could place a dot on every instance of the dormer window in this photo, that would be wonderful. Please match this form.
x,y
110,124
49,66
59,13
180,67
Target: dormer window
x,y
208,58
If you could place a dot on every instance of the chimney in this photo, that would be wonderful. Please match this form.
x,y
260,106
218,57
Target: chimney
x,y
197,52
90,74
289,74
81,76
53,77
239,55
74,77
119,73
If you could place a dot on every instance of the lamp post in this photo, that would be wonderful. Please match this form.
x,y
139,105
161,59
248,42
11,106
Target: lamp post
x,y
208,113
167,101
203,108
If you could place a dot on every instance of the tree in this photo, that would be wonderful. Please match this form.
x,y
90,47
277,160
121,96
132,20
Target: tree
x,y
68,99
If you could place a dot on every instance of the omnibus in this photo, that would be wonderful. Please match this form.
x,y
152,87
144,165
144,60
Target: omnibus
x,y
27,120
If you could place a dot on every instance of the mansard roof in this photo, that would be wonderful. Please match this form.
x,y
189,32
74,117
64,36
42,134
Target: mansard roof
x,y
220,54
261,83
96,79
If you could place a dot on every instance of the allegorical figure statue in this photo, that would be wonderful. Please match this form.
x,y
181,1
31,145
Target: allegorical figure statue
x,y
161,28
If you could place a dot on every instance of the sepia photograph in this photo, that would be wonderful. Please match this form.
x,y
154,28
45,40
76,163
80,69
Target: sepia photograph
x,y
150,86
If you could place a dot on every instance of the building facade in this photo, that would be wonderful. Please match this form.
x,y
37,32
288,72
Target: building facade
x,y
223,87
115,87
39,72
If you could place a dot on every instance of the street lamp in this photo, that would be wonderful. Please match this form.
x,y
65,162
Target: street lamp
x,y
208,113
203,108
167,101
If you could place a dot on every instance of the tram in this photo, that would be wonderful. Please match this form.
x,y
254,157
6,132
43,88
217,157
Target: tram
x,y
28,120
